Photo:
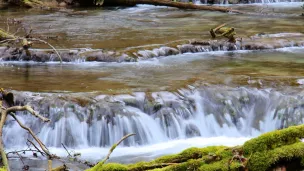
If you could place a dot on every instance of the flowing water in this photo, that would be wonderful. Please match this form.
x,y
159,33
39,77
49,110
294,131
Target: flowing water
x,y
171,103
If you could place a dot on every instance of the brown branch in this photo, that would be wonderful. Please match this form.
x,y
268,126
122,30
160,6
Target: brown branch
x,y
36,147
20,157
20,151
39,40
29,109
42,146
69,154
2,151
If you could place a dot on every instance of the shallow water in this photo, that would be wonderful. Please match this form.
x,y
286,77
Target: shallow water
x,y
116,28
261,69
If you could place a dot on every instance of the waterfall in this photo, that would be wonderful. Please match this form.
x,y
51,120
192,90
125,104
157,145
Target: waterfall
x,y
86,120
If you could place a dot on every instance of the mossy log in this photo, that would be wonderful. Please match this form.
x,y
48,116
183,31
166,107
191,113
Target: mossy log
x,y
60,168
5,35
263,153
27,3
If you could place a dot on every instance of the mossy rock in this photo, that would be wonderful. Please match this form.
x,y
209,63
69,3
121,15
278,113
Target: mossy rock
x,y
274,139
262,153
110,167
266,159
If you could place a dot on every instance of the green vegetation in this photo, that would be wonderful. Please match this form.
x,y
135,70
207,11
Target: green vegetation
x,y
261,153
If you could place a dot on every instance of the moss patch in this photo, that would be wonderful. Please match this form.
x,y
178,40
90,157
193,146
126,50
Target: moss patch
x,y
274,139
260,154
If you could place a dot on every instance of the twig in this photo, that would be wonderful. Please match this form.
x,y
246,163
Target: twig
x,y
43,147
27,108
35,39
35,147
20,157
69,154
7,40
8,28
113,148
12,152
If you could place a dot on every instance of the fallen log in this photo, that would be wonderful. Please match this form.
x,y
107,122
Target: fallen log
x,y
181,5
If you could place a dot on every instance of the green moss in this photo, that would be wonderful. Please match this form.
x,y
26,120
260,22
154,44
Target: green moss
x,y
109,167
221,166
264,160
191,165
274,139
190,153
263,153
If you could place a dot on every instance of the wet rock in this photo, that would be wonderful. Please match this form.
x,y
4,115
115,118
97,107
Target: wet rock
x,y
257,42
101,57
233,1
189,48
62,4
157,52
192,131
41,57
66,56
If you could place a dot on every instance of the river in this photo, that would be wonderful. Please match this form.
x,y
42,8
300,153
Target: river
x,y
170,102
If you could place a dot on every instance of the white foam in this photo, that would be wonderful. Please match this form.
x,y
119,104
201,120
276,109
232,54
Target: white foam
x,y
148,152
300,81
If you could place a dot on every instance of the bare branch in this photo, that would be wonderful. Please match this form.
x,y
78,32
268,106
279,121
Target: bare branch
x,y
7,40
42,146
29,109
69,154
36,147
113,148
7,24
21,151
35,39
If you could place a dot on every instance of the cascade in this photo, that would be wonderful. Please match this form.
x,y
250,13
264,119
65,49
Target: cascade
x,y
100,121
